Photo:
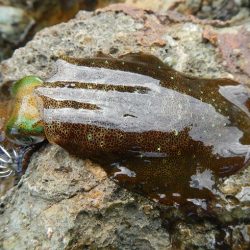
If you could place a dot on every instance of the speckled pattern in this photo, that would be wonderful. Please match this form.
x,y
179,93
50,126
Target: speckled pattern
x,y
113,109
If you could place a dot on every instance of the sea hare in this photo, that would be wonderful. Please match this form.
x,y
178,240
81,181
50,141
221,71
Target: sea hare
x,y
154,130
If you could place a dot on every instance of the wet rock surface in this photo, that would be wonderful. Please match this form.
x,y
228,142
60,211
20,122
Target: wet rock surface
x,y
66,203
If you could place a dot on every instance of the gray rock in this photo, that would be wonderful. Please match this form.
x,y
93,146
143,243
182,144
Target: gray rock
x,y
63,202
15,24
20,20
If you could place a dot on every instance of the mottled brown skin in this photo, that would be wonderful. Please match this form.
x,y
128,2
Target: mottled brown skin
x,y
200,88
154,175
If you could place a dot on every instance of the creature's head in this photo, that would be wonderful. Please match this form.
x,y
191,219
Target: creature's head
x,y
25,125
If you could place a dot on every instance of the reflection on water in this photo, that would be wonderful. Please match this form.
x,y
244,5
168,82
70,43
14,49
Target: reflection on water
x,y
202,180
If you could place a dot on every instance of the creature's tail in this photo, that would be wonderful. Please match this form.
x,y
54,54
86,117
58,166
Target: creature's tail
x,y
15,161
8,162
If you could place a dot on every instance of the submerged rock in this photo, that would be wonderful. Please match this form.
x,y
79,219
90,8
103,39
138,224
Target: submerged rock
x,y
63,202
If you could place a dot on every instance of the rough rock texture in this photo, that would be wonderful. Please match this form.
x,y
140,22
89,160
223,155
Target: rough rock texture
x,y
68,203
20,20
65,203
211,9
208,9
15,24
